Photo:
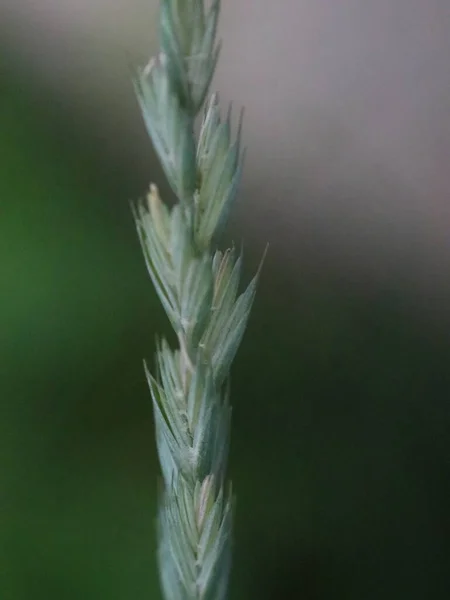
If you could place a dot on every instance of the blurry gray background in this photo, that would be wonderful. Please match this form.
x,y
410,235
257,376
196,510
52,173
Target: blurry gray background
x,y
340,454
348,115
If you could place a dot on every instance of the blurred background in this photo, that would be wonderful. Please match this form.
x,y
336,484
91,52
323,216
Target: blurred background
x,y
340,441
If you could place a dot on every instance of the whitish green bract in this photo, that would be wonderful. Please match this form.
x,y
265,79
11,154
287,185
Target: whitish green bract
x,y
198,286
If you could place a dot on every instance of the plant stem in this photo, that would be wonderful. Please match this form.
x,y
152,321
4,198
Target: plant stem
x,y
198,287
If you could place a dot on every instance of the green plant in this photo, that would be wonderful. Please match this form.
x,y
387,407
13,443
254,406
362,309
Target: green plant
x,y
198,287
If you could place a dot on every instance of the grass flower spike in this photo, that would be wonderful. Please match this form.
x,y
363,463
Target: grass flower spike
x,y
198,288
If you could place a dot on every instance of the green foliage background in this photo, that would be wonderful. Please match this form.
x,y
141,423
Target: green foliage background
x,y
340,445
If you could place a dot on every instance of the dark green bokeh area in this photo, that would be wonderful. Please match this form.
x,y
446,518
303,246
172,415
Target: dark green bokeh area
x,y
340,448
